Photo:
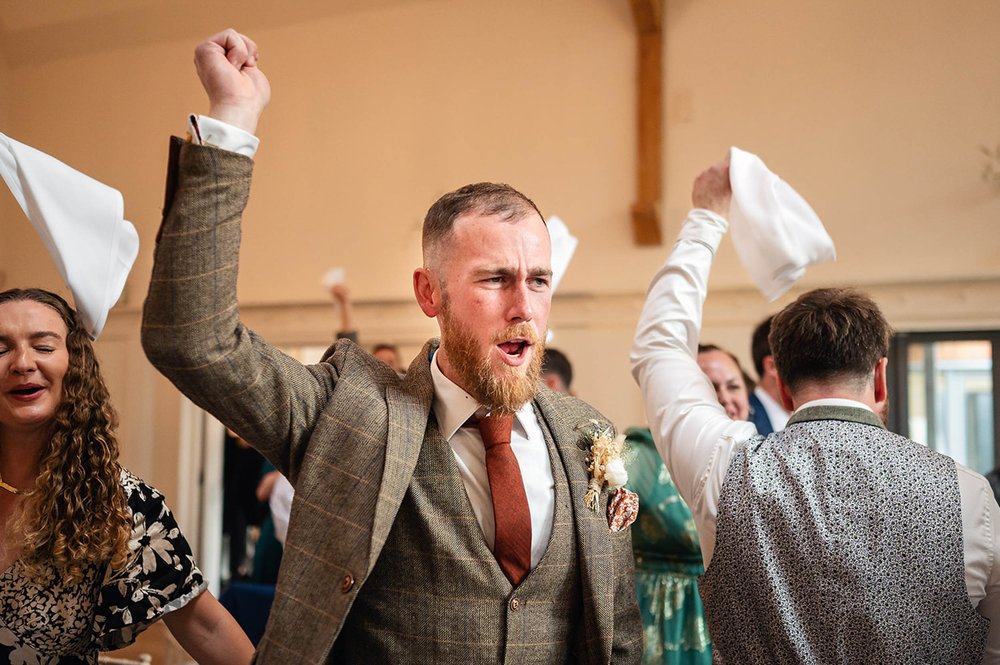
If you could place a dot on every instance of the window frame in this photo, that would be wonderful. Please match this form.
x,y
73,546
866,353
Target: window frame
x,y
897,376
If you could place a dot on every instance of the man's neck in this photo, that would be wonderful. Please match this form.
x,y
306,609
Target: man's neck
x,y
770,385
810,393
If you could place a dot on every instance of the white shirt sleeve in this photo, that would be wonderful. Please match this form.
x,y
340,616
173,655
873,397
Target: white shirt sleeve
x,y
981,536
280,503
209,131
692,432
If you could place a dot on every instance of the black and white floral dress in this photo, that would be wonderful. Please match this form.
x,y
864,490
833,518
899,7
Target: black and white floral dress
x,y
63,624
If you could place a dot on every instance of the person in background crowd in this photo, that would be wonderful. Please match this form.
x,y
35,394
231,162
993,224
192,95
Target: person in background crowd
x,y
766,411
728,378
557,371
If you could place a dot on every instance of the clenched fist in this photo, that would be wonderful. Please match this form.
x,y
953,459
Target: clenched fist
x,y
237,90
712,190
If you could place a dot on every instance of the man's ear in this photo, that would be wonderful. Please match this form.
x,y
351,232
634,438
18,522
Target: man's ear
x,y
786,396
427,290
769,367
881,381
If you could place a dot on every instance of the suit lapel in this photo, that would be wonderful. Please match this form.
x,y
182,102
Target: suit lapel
x,y
408,407
595,552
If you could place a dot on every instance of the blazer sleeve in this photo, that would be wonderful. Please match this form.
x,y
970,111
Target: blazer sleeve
x,y
191,328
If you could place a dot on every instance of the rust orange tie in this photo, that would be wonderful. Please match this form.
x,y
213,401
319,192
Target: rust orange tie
x,y
512,543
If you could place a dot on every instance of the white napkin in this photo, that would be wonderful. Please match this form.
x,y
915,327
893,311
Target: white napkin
x,y
80,221
775,232
563,247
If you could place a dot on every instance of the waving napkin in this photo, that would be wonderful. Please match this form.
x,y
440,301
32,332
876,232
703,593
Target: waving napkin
x,y
775,232
563,247
80,221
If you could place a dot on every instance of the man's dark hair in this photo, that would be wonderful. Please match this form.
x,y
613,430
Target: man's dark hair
x,y
555,362
760,348
828,334
484,198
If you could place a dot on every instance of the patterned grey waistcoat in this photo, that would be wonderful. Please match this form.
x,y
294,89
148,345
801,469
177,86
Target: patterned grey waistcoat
x,y
437,594
840,542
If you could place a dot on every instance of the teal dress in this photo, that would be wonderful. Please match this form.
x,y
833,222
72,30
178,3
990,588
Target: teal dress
x,y
667,562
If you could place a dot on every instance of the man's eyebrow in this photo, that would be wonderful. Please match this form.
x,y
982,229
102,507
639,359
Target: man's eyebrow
x,y
507,272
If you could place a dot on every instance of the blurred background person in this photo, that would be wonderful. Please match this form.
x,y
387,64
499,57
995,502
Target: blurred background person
x,y
557,371
728,378
387,353
766,411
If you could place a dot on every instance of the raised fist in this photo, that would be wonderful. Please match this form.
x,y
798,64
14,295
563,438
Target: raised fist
x,y
237,90
712,190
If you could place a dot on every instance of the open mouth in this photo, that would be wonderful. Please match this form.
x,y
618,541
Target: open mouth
x,y
514,349
27,391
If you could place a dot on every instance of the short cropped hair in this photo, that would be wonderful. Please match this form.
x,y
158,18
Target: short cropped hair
x,y
555,362
484,198
828,334
760,348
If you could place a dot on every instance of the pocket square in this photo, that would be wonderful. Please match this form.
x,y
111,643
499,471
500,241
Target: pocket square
x,y
623,508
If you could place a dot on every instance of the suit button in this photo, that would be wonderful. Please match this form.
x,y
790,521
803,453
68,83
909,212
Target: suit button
x,y
515,603
347,583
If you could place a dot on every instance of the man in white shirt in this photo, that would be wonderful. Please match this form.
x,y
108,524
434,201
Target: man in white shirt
x,y
835,540
766,411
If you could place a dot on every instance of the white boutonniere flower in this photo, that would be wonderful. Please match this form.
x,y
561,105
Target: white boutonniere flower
x,y
604,461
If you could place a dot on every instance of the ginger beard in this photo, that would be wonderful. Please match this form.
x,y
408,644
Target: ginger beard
x,y
501,388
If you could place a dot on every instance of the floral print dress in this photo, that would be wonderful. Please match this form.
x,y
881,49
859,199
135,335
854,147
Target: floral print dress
x,y
67,624
667,562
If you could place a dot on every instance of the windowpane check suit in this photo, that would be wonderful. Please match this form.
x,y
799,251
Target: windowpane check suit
x,y
349,434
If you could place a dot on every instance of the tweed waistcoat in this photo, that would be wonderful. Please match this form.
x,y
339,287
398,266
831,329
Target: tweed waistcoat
x,y
438,595
840,542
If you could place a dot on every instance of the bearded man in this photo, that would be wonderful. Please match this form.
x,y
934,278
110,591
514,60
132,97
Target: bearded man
x,y
440,517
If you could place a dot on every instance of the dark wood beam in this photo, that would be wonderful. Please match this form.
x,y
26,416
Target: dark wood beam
x,y
645,211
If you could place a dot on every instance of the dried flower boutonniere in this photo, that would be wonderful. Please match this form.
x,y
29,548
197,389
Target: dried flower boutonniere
x,y
604,462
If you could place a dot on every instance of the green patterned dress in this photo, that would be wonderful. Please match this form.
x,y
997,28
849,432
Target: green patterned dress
x,y
667,562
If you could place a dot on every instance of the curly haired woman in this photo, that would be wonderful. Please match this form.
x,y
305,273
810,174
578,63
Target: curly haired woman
x,y
90,555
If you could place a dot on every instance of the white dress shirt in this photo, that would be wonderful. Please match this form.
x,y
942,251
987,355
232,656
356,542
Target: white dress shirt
x,y
697,440
452,407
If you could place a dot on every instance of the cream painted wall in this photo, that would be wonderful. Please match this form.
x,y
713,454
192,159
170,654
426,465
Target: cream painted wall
x,y
873,113
6,213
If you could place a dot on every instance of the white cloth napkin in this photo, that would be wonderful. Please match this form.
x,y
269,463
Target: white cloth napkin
x,y
775,232
563,247
80,221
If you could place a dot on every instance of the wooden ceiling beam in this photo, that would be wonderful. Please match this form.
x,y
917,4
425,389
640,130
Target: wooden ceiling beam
x,y
648,16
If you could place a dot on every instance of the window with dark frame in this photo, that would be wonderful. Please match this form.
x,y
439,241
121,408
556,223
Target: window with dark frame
x,y
943,393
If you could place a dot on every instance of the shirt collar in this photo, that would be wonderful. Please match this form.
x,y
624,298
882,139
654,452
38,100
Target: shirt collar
x,y
834,401
453,406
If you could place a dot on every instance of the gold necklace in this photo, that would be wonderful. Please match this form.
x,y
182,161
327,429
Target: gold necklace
x,y
9,488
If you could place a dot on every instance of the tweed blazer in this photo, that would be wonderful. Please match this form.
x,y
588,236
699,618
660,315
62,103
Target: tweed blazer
x,y
346,432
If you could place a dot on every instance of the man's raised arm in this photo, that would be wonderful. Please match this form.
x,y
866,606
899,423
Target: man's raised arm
x,y
691,430
191,329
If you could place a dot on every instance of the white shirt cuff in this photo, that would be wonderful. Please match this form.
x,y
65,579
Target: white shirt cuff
x,y
209,131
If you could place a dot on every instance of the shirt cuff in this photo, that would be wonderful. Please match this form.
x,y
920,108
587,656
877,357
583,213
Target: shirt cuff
x,y
704,227
205,130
